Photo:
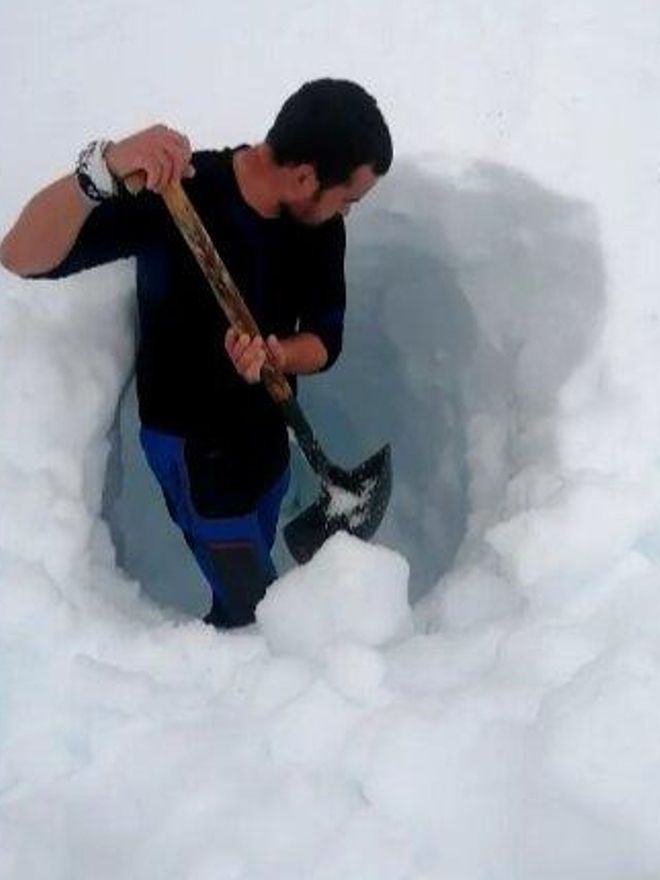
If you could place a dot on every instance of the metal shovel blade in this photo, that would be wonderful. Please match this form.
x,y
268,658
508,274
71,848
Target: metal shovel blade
x,y
350,501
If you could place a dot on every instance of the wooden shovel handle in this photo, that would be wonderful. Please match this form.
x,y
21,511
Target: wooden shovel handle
x,y
226,293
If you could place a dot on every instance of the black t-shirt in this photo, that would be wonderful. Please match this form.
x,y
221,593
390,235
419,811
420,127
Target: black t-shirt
x,y
290,275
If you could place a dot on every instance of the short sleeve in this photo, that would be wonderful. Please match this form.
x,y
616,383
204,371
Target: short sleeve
x,y
324,303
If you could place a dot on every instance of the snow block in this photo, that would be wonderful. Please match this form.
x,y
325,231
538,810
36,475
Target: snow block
x,y
350,591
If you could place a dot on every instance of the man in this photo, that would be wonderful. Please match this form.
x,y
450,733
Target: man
x,y
214,439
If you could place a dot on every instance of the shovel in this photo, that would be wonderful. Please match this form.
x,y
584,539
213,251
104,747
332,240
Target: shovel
x,y
352,501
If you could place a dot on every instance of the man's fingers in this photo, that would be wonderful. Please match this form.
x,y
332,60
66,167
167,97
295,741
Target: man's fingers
x,y
181,160
167,167
235,342
254,371
231,337
153,173
180,142
158,166
241,347
248,355
276,350
162,153
181,151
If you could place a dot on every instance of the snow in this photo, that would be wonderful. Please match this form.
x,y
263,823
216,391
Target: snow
x,y
351,505
348,592
503,335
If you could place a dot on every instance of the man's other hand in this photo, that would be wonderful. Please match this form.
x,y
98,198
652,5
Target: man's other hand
x,y
249,354
161,153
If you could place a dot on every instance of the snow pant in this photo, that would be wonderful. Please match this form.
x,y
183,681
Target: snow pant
x,y
233,551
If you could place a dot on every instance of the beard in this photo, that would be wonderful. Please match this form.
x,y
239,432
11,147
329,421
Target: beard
x,y
305,212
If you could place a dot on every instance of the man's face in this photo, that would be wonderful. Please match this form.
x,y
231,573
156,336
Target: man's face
x,y
323,204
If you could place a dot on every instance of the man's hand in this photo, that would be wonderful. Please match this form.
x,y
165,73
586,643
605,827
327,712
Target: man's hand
x,y
51,221
160,152
248,355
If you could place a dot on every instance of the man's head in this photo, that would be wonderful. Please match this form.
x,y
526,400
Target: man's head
x,y
333,144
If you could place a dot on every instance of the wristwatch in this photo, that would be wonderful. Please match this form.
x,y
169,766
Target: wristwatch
x,y
93,175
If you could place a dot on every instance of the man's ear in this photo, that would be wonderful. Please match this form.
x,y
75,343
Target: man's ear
x,y
305,181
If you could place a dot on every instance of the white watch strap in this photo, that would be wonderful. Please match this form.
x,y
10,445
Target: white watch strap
x,y
93,174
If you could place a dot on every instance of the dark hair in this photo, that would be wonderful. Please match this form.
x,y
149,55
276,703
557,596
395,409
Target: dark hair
x,y
334,125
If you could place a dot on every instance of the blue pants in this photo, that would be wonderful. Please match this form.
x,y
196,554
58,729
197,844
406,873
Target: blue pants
x,y
233,551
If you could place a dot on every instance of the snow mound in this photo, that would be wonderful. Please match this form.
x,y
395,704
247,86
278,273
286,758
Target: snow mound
x,y
349,592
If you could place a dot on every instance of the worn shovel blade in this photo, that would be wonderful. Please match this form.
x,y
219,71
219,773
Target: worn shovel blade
x,y
351,501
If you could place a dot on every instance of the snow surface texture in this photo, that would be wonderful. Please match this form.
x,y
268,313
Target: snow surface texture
x,y
503,335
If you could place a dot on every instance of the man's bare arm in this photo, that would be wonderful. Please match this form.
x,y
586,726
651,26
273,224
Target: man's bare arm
x,y
46,229
50,223
302,353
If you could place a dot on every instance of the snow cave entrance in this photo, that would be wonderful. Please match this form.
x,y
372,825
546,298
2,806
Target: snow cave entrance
x,y
473,295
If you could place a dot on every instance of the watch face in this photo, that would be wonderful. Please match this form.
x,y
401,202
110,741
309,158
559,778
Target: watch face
x,y
88,186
